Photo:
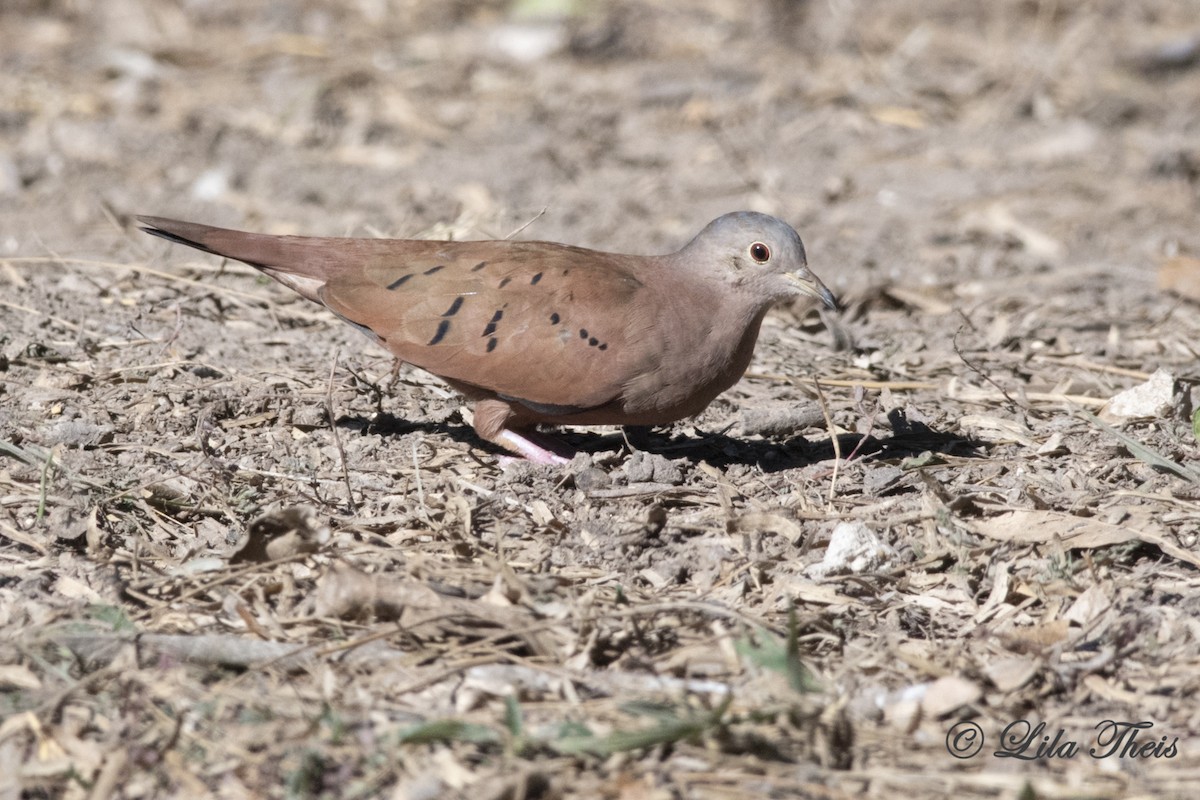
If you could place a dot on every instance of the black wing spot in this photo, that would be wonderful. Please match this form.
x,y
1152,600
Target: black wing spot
x,y
454,307
479,266
504,282
554,318
396,284
433,270
604,346
442,328
583,334
491,326
491,345
533,281
593,341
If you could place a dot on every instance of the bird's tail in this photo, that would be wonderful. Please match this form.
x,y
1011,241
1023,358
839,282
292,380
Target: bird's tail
x,y
297,262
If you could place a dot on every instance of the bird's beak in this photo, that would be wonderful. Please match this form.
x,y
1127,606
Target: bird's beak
x,y
809,284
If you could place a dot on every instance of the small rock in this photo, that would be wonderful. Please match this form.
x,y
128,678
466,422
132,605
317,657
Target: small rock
x,y
644,467
528,42
1153,399
853,548
592,478
947,694
211,184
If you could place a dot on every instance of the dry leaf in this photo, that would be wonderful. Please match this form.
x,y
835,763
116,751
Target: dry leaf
x,y
1037,527
1011,672
1181,275
1093,602
947,694
346,592
281,533
76,590
770,523
922,299
1037,638
805,591
16,676
996,430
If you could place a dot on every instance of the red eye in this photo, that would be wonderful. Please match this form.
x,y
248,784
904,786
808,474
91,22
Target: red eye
x,y
760,252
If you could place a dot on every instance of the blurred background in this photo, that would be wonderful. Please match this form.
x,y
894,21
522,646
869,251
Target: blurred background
x,y
896,135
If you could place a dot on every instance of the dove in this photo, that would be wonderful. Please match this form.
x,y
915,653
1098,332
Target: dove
x,y
539,333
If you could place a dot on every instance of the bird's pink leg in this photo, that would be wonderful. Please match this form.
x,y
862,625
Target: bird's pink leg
x,y
528,449
494,420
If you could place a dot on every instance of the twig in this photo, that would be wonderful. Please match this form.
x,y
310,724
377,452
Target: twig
x,y
1091,366
337,438
975,369
863,438
197,649
977,395
310,480
535,218
417,479
33,455
846,383
20,537
837,447
49,462
19,453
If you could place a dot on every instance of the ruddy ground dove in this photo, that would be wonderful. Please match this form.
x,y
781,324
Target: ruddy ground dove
x,y
538,332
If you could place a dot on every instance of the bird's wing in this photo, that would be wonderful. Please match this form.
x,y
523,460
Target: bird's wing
x,y
558,328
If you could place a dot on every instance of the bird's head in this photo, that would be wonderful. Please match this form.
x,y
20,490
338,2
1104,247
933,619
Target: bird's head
x,y
758,254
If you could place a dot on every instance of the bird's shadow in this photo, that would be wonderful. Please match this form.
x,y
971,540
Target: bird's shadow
x,y
908,438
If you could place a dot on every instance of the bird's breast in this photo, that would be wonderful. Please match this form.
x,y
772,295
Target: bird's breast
x,y
702,352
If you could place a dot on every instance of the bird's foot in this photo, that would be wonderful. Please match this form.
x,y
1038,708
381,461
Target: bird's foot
x,y
544,451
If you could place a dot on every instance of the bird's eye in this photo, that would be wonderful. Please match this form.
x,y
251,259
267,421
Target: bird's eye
x,y
760,252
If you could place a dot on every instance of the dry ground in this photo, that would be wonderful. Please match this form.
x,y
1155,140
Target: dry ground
x,y
240,556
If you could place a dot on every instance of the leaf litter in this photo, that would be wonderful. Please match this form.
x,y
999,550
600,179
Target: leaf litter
x,y
242,553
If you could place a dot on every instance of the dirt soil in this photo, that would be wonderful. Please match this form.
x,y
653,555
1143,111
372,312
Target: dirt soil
x,y
242,555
